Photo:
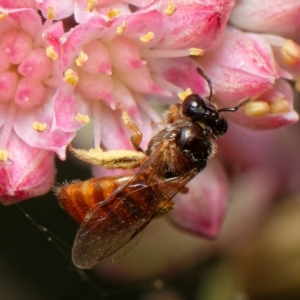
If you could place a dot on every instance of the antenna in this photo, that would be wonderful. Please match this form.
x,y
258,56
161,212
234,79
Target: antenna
x,y
204,75
235,108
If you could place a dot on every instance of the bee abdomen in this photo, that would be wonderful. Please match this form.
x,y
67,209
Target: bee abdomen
x,y
79,197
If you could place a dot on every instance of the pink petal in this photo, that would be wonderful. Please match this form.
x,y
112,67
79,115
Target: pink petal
x,y
8,85
242,67
18,4
196,24
98,58
124,54
201,210
31,174
36,65
62,9
278,17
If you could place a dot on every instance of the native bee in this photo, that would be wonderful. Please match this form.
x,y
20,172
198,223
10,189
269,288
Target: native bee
x,y
113,210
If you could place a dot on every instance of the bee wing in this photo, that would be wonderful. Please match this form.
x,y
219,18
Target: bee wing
x,y
133,206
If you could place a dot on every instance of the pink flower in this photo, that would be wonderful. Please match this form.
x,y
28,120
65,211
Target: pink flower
x,y
30,106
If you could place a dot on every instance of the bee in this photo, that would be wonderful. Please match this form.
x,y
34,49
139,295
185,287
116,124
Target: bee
x,y
112,211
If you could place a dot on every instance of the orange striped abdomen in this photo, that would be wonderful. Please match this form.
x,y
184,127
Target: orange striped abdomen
x,y
79,197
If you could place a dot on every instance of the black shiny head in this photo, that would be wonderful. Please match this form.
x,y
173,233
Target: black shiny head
x,y
204,112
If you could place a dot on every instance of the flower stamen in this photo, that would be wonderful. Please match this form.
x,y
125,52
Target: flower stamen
x,y
290,52
257,108
182,95
71,77
113,13
91,4
196,51
40,127
3,155
170,10
51,53
81,59
84,119
147,38
50,12
122,27
280,106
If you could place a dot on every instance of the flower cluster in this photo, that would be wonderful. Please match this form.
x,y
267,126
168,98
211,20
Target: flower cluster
x,y
65,63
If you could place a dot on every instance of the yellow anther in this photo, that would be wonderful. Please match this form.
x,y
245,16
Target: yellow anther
x,y
71,77
257,108
112,13
171,8
182,95
122,27
51,53
147,37
50,12
3,155
2,16
91,4
84,119
279,107
196,51
290,52
40,127
81,59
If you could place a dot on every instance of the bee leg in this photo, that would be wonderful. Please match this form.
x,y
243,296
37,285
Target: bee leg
x,y
164,208
113,159
136,139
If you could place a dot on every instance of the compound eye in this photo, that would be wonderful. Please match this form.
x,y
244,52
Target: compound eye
x,y
193,106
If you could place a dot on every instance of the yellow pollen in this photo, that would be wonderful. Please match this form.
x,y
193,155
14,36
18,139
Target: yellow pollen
x,y
122,27
50,12
91,4
257,108
51,53
112,13
182,95
3,155
171,8
196,51
147,37
2,16
84,119
71,77
280,106
40,127
290,52
81,59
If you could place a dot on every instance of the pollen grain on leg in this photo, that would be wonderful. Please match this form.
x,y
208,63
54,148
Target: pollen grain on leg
x,y
280,106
